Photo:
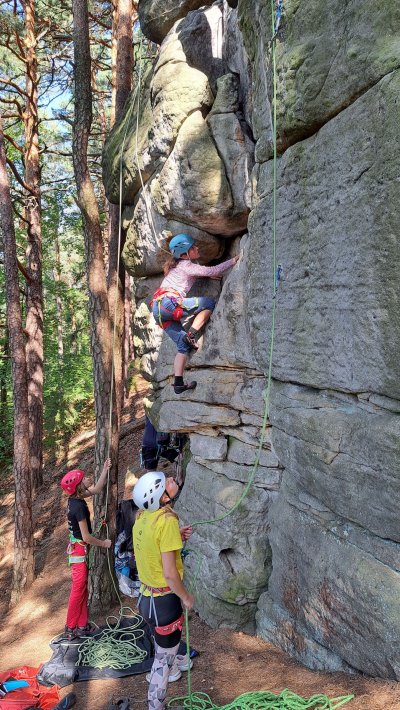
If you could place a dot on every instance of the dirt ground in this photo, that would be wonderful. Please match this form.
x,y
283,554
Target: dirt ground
x,y
229,662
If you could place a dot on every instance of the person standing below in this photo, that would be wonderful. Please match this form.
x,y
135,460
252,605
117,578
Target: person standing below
x,y
157,544
77,486
170,304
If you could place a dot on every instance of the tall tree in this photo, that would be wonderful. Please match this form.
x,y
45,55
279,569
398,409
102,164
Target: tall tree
x,y
34,301
23,535
101,589
119,284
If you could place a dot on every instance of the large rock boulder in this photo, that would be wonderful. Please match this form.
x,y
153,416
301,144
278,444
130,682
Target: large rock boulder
x,y
310,550
183,151
338,316
156,21
325,61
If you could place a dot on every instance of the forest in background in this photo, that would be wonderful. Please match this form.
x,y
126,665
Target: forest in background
x,y
67,69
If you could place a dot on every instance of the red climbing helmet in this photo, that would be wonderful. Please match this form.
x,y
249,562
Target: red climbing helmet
x,y
71,480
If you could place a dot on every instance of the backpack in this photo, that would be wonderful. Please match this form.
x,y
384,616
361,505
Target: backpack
x,y
125,566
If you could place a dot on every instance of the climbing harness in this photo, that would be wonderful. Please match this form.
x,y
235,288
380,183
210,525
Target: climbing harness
x,y
170,628
74,559
176,299
156,590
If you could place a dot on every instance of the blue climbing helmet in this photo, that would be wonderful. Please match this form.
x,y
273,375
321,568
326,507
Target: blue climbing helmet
x,y
180,244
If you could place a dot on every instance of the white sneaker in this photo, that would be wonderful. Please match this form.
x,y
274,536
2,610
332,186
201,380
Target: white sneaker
x,y
180,664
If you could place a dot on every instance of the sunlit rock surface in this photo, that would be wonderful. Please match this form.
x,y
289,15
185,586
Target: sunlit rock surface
x,y
309,559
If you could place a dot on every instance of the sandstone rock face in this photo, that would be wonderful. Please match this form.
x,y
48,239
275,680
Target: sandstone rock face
x,y
183,151
307,556
156,21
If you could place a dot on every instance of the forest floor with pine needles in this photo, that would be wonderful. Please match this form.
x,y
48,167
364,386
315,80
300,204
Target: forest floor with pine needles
x,y
229,662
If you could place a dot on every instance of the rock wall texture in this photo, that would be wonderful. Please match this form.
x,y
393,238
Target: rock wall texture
x,y
310,559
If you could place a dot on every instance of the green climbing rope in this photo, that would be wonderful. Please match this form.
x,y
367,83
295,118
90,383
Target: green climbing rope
x,y
113,647
261,700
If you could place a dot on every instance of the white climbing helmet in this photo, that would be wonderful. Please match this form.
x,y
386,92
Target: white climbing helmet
x,y
148,490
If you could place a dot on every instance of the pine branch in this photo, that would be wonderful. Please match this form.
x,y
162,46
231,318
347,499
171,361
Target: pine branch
x,y
13,143
19,178
8,82
24,272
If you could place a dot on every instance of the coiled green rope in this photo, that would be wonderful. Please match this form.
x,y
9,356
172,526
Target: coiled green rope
x,y
113,647
261,700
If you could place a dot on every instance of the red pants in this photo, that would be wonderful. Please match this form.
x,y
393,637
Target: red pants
x,y
77,614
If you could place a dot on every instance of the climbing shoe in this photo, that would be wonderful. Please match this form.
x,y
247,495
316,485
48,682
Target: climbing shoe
x,y
85,630
190,340
178,389
67,702
68,635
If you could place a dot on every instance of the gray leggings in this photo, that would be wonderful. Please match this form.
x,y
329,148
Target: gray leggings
x,y
162,664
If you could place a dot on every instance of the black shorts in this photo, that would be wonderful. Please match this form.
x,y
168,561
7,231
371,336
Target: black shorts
x,y
168,609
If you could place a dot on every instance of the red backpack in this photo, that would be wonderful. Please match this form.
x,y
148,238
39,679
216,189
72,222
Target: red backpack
x,y
36,696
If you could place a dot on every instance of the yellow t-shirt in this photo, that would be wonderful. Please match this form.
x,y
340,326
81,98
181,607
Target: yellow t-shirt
x,y
155,532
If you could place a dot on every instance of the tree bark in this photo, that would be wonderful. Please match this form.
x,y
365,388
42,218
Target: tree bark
x,y
59,309
34,300
3,393
60,342
101,588
122,57
23,535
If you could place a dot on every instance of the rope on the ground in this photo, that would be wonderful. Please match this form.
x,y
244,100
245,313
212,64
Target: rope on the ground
x,y
113,647
261,700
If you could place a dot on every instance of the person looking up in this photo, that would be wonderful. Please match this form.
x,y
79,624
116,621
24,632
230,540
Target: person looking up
x,y
157,544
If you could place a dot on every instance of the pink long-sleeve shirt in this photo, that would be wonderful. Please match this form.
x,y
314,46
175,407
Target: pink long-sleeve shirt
x,y
182,277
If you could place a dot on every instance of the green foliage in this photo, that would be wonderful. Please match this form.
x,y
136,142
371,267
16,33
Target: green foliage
x,y
68,382
68,379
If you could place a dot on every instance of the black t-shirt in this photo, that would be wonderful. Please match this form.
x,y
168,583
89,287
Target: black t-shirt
x,y
77,510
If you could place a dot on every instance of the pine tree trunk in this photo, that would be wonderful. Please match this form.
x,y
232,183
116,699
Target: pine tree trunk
x,y
57,279
60,343
23,535
3,392
34,300
101,587
122,58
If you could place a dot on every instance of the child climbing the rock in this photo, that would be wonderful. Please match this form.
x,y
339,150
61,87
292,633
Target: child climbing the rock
x,y
77,486
157,542
170,303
